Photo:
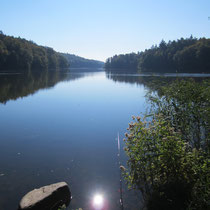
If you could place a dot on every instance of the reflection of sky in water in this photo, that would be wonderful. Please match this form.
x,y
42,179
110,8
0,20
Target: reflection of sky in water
x,y
67,133
98,201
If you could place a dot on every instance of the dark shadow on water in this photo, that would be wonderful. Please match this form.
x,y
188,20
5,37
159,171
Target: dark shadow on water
x,y
153,82
19,85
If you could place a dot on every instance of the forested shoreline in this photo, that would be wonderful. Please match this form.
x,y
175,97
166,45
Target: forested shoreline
x,y
190,55
80,62
20,54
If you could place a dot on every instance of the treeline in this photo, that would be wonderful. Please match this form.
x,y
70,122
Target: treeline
x,y
190,55
127,61
20,54
79,62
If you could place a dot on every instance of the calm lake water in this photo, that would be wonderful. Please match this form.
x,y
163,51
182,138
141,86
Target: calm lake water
x,y
63,127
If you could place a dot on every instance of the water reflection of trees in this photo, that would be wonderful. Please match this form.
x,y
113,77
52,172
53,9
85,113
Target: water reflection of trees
x,y
14,86
152,83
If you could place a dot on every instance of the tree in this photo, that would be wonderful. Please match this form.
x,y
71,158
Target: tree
x,y
188,55
20,54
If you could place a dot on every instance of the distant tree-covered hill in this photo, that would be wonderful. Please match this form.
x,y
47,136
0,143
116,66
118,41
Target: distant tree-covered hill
x,y
20,54
189,55
79,62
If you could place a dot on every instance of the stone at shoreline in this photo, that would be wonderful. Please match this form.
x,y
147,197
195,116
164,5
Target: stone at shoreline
x,y
49,197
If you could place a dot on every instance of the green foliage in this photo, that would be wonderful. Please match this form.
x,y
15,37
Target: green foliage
x,y
162,58
63,207
186,104
169,151
127,61
184,55
79,62
20,54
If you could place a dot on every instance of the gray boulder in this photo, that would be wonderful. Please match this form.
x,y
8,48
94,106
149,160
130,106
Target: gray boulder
x,y
46,198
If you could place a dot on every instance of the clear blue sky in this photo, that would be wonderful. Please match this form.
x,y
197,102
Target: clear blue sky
x,y
101,28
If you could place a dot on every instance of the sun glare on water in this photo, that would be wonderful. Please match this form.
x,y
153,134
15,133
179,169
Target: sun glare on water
x,y
98,201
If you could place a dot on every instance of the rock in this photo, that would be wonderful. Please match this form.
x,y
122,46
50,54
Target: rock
x,y
46,198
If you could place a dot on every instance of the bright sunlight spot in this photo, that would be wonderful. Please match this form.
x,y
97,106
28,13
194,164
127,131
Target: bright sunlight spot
x,y
98,201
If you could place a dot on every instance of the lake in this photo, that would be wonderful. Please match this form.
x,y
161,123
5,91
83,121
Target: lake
x,y
63,126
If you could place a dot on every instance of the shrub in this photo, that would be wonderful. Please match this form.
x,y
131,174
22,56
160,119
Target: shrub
x,y
167,154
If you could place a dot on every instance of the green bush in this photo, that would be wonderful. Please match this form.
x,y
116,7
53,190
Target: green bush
x,y
167,159
186,104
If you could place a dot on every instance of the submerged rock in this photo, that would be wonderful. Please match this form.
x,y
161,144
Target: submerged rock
x,y
49,197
